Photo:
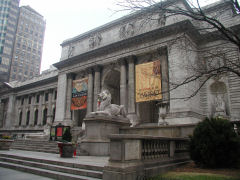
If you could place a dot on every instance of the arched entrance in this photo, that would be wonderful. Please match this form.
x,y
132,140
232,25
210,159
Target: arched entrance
x,y
111,82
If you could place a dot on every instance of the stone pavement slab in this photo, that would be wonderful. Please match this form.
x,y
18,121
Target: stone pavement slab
x,y
9,174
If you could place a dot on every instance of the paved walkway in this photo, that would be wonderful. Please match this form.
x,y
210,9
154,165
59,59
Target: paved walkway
x,y
9,174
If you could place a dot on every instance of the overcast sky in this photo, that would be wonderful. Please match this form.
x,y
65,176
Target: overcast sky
x,y
68,18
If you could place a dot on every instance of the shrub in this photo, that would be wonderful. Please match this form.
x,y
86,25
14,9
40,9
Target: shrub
x,y
214,144
5,136
67,135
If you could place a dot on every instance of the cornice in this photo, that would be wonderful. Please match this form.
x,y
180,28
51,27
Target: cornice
x,y
37,83
124,19
183,26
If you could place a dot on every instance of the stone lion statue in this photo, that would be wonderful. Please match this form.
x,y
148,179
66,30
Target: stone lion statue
x,y
104,105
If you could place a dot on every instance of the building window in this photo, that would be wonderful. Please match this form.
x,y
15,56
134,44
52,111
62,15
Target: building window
x,y
55,95
28,118
1,49
45,116
54,111
38,97
22,102
0,60
46,97
29,99
35,117
20,118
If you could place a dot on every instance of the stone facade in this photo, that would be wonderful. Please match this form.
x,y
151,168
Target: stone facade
x,y
107,56
27,107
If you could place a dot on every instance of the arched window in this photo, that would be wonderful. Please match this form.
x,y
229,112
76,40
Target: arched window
x,y
20,118
219,99
45,116
36,117
28,118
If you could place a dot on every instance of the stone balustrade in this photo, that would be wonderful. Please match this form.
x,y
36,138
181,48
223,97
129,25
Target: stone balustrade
x,y
127,147
134,156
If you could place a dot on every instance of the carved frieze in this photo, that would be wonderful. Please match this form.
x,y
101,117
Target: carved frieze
x,y
95,40
162,19
127,30
71,51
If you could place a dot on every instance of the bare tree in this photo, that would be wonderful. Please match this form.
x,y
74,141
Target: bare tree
x,y
193,11
214,61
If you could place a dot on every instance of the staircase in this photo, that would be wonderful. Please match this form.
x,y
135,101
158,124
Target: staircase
x,y
36,145
50,165
42,146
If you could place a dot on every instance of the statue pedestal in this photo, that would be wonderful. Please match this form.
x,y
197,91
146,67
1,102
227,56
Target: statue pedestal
x,y
98,127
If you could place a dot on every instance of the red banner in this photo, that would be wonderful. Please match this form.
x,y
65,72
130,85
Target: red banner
x,y
79,94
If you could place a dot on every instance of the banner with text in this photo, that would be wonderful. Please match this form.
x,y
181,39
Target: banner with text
x,y
79,94
148,81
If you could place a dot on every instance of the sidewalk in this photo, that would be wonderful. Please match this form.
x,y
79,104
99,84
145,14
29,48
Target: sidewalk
x,y
9,174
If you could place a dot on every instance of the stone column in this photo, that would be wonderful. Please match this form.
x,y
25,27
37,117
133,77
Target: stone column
x,y
18,104
24,111
90,91
40,109
31,123
123,83
49,112
61,98
68,97
131,92
1,113
10,111
97,85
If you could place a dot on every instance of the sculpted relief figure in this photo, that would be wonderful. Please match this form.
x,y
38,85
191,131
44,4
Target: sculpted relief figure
x,y
220,107
162,20
126,30
70,51
104,105
95,40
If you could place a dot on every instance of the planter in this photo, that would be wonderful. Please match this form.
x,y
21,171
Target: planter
x,y
67,149
5,144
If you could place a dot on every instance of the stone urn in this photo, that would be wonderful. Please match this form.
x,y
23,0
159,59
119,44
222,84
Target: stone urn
x,y
67,149
5,144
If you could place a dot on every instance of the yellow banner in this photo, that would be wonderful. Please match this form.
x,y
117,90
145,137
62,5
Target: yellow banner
x,y
148,81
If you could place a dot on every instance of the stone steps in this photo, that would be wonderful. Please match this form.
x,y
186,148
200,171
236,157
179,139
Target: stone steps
x,y
34,145
41,146
51,168
47,150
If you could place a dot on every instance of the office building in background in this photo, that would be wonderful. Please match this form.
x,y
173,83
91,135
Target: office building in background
x,y
27,52
9,13
22,45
